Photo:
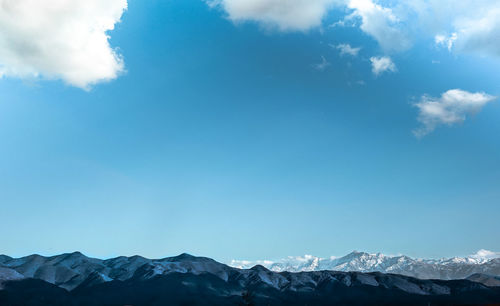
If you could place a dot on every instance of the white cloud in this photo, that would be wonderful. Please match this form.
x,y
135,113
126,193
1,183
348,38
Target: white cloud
x,y
60,39
451,108
340,23
246,264
469,25
448,41
464,26
485,255
346,49
323,65
381,23
286,15
480,34
382,64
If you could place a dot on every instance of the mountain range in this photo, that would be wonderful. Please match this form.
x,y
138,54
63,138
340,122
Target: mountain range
x,y
483,262
75,279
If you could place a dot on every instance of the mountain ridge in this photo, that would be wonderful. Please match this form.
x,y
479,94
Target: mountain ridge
x,y
69,270
484,262
74,279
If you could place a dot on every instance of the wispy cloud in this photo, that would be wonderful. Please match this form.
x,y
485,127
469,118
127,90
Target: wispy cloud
x,y
55,39
323,65
346,49
451,108
382,64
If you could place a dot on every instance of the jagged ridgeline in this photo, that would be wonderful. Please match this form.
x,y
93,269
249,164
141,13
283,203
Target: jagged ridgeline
x,y
74,279
483,262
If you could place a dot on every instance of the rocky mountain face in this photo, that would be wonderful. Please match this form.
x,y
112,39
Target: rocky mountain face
x,y
74,279
483,262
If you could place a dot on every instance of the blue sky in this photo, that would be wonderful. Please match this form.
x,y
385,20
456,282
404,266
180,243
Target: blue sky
x,y
212,128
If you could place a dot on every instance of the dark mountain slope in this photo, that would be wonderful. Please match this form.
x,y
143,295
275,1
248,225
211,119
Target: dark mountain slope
x,y
256,286
190,280
485,279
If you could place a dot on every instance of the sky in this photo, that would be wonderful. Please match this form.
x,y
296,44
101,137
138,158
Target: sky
x,y
249,129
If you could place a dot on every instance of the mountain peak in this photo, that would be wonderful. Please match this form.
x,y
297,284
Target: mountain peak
x,y
75,254
4,258
259,268
200,283
182,257
356,254
186,255
365,262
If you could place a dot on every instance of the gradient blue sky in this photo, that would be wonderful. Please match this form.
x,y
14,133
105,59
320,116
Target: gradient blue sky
x,y
224,139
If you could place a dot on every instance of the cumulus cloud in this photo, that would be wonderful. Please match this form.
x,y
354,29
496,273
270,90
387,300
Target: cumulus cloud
x,y
286,15
485,255
382,64
451,108
463,26
289,15
60,39
381,23
346,49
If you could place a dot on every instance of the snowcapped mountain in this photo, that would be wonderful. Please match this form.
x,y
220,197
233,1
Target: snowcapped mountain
x,y
72,270
75,279
68,271
484,262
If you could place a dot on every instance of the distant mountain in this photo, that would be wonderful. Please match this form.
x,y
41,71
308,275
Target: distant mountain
x,y
484,262
74,279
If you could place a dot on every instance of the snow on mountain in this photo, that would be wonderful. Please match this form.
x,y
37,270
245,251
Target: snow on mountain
x,y
485,255
207,282
72,270
68,271
447,268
